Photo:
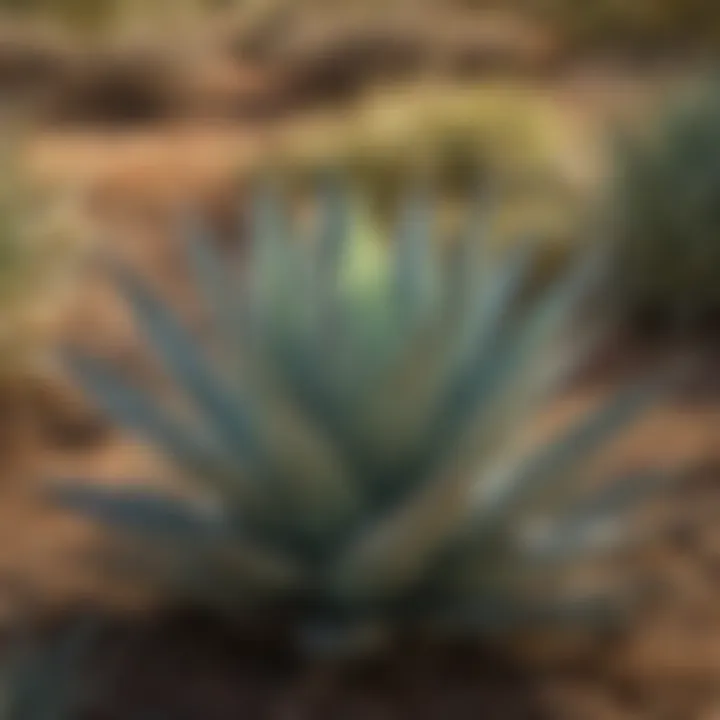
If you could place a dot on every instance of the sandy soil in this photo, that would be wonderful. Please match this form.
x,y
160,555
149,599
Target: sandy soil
x,y
666,667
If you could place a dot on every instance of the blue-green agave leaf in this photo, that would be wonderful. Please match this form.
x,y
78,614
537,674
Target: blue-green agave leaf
x,y
335,234
424,378
382,561
133,410
331,251
600,522
554,466
476,364
142,512
490,381
216,288
415,266
504,613
217,401
271,270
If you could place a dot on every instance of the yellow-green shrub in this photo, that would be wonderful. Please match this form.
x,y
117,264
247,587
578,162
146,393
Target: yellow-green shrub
x,y
97,15
511,140
40,240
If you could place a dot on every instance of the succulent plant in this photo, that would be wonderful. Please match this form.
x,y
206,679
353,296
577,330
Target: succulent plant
x,y
664,200
352,440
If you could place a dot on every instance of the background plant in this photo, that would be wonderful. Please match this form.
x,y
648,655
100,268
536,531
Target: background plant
x,y
664,202
651,22
510,139
101,15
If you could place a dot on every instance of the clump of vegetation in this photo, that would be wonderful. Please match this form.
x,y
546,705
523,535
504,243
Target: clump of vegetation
x,y
354,439
101,15
664,203
652,22
41,236
509,139
42,239
77,14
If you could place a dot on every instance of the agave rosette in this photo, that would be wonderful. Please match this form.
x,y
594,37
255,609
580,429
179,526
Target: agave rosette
x,y
356,427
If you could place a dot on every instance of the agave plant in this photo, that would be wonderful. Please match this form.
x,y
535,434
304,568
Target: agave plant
x,y
354,430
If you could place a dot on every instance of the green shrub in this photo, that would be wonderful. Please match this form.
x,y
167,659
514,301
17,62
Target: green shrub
x,y
356,440
665,206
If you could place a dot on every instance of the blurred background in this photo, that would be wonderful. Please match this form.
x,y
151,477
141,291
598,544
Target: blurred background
x,y
585,119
